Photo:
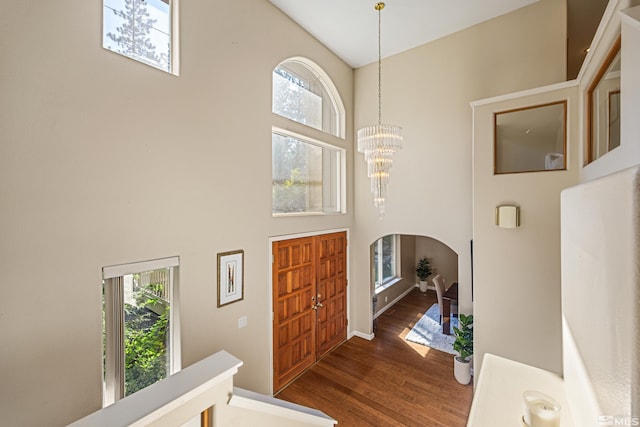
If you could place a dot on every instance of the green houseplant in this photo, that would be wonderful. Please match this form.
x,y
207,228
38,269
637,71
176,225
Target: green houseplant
x,y
463,344
423,271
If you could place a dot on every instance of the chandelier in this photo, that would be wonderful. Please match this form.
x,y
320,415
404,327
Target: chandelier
x,y
379,142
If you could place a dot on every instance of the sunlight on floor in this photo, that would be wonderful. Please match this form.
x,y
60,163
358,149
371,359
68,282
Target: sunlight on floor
x,y
422,350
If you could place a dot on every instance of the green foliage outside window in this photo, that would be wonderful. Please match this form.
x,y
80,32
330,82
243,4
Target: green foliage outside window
x,y
146,334
289,195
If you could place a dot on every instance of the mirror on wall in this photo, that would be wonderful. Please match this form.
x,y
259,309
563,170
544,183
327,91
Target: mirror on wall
x,y
603,105
531,139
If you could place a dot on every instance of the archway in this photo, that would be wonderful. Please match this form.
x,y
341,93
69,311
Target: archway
x,y
409,249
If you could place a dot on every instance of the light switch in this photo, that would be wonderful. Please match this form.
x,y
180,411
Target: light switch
x,y
242,322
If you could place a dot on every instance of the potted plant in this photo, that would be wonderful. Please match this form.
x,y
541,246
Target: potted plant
x,y
423,271
463,344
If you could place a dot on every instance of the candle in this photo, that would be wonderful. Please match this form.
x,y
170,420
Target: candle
x,y
540,410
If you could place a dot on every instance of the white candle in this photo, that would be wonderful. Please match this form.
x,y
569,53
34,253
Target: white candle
x,y
540,410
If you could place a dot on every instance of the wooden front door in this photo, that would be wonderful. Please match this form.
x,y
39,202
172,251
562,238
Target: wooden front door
x,y
309,302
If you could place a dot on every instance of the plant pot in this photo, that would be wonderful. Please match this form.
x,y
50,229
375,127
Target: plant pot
x,y
462,370
423,286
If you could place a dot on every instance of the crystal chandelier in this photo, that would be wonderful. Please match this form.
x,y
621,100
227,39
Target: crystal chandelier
x,y
379,142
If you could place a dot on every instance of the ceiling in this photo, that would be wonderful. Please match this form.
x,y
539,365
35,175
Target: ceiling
x,y
350,27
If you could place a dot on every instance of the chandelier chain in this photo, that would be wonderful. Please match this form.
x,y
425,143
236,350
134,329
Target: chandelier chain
x,y
379,142
379,8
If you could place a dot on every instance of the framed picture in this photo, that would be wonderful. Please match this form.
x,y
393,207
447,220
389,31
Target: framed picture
x,y
230,277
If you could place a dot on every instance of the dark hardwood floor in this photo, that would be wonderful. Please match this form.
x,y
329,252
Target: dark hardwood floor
x,y
386,381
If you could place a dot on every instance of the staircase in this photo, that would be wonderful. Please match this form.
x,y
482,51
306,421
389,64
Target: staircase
x,y
180,399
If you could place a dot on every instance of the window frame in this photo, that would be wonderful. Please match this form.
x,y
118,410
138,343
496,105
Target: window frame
x,y
173,59
331,139
381,283
322,79
337,187
113,312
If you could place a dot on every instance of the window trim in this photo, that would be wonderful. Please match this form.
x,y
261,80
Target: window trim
x,y
340,185
329,86
174,48
391,280
113,309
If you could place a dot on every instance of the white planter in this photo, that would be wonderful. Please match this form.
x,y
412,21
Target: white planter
x,y
462,370
423,286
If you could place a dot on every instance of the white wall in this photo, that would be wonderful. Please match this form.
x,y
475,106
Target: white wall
x,y
600,296
614,23
600,251
104,161
427,90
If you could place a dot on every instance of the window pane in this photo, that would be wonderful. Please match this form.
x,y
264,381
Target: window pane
x,y
139,29
294,101
388,257
299,94
146,328
376,261
297,178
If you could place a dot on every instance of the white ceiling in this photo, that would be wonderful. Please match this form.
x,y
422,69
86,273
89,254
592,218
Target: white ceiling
x,y
350,27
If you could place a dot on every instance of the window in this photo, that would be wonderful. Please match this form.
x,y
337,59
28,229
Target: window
x,y
302,92
307,174
384,260
140,326
142,30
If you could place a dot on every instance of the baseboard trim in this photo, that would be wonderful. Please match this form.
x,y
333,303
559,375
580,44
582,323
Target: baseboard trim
x,y
386,307
359,334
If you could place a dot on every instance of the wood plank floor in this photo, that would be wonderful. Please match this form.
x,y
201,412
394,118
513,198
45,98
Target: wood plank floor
x,y
386,381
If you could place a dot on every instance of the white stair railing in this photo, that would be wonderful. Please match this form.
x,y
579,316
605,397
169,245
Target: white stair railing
x,y
183,396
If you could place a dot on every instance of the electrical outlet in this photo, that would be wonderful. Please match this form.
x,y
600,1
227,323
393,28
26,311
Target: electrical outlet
x,y
386,299
242,322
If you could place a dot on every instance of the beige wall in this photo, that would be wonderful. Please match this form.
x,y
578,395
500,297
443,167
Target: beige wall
x,y
443,259
107,161
517,311
427,90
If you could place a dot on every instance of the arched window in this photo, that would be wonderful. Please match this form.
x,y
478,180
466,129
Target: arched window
x,y
304,93
308,174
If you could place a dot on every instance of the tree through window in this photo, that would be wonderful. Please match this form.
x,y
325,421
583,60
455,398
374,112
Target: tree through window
x,y
141,30
307,173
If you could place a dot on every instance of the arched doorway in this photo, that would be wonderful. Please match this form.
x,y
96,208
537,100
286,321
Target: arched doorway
x,y
404,255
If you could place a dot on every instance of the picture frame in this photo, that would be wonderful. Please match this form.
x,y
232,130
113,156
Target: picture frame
x,y
230,277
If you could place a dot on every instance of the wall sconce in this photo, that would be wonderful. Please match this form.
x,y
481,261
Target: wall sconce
x,y
508,216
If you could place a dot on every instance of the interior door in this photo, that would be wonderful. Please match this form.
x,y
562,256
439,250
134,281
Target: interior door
x,y
309,302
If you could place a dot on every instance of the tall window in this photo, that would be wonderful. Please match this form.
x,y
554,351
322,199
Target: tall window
x,y
142,30
140,326
307,173
385,259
